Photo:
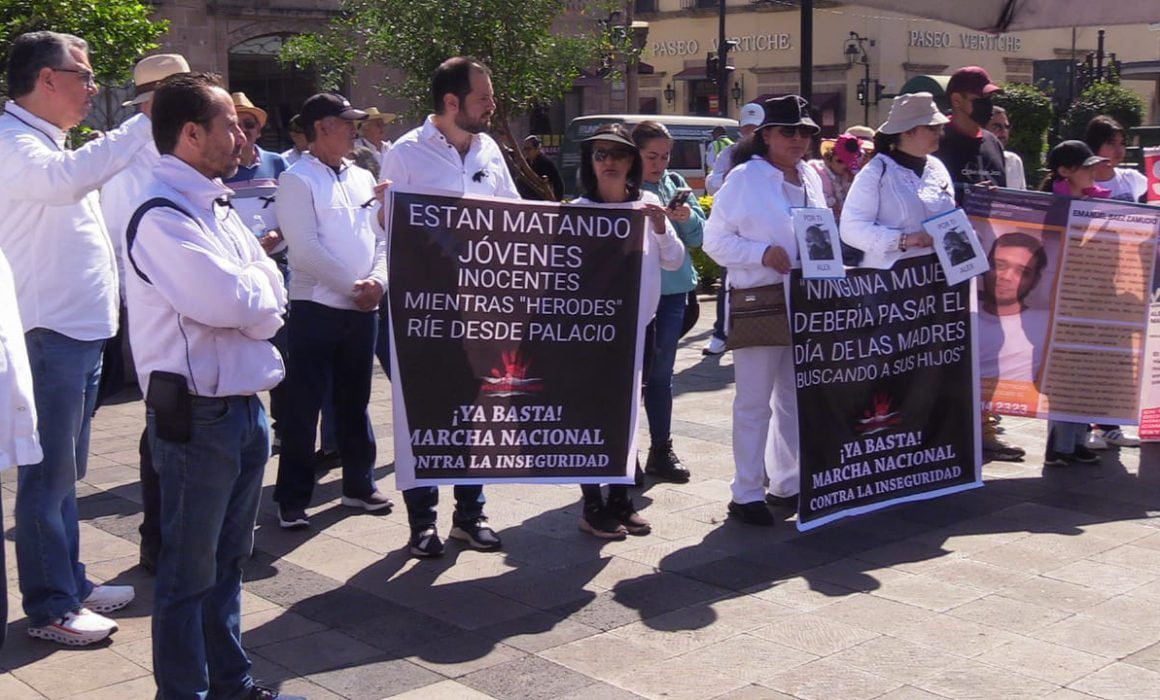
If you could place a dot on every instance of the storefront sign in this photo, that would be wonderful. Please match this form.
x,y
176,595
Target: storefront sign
x,y
748,43
971,41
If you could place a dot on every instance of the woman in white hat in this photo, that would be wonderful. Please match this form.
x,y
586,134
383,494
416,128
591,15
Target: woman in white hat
x,y
902,186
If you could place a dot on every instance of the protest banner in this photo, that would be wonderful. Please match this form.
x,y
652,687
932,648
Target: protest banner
x,y
887,390
1152,171
1064,308
516,339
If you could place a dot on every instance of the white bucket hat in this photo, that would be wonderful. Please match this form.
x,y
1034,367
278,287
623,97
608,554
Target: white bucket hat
x,y
909,111
150,71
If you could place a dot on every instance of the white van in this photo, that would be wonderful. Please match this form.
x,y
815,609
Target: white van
x,y
690,134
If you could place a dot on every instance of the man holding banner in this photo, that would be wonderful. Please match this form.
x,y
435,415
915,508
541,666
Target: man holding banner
x,y
452,152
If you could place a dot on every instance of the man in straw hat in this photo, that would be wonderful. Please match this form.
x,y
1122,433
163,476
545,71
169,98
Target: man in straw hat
x,y
54,237
120,197
372,133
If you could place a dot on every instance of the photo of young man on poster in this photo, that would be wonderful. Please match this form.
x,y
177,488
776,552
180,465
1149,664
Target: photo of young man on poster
x,y
1013,324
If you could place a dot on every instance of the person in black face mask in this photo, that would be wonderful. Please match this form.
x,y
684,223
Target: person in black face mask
x,y
972,154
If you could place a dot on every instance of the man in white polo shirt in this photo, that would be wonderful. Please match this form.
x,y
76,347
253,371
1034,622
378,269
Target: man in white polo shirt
x,y
338,273
452,152
53,235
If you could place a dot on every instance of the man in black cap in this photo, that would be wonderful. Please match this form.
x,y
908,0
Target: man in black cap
x,y
544,167
974,156
338,273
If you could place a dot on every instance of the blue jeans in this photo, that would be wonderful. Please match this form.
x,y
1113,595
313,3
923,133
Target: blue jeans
x,y
210,487
422,503
335,347
66,374
658,388
1064,437
719,324
383,342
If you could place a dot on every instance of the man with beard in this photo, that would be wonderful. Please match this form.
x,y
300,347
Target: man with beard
x,y
1011,335
205,300
450,151
53,234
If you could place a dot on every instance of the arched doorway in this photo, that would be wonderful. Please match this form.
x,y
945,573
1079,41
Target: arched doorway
x,y
279,89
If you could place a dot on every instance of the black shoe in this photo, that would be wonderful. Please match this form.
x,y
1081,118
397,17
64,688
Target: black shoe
x,y
664,464
597,521
754,513
477,534
996,450
625,513
1083,455
782,501
426,543
292,518
258,692
1054,459
325,461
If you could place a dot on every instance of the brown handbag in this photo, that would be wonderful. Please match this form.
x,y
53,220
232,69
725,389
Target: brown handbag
x,y
758,317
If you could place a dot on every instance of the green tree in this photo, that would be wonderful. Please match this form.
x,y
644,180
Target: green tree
x,y
1103,98
1031,113
531,64
119,32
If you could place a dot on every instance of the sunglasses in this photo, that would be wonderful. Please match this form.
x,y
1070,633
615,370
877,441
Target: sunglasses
x,y
790,131
248,124
614,153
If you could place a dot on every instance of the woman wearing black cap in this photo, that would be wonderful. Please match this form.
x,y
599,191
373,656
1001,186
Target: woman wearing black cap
x,y
750,231
610,173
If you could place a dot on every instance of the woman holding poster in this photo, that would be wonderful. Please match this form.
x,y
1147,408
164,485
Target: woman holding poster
x,y
610,173
902,186
751,232
656,146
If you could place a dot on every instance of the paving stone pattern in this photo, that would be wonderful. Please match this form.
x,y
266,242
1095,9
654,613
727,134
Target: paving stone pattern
x,y
1045,583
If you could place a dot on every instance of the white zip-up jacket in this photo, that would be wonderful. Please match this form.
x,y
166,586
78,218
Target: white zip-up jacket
x,y
51,227
213,299
887,200
19,440
423,157
332,234
121,196
751,213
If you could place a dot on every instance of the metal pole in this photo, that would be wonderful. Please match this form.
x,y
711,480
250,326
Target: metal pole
x,y
722,65
632,66
1100,57
866,89
807,50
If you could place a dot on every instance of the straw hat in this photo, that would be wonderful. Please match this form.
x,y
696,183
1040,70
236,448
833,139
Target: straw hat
x,y
373,114
862,132
243,104
151,70
909,111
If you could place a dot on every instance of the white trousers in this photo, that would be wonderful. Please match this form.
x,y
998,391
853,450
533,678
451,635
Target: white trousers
x,y
765,431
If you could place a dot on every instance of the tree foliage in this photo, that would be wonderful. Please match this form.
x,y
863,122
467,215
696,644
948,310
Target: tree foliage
x,y
119,32
1103,98
1030,112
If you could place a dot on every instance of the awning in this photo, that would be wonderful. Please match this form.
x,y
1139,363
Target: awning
x,y
1019,15
695,73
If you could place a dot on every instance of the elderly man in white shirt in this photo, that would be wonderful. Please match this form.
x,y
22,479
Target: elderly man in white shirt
x,y
53,235
451,152
205,301
338,273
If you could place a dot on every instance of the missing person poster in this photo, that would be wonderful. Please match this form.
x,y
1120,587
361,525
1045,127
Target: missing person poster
x,y
818,241
516,339
956,245
1064,308
887,392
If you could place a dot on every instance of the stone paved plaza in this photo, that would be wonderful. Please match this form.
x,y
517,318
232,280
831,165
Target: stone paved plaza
x,y
1045,583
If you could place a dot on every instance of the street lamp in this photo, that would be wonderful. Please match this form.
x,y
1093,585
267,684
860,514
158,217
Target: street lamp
x,y
670,94
868,93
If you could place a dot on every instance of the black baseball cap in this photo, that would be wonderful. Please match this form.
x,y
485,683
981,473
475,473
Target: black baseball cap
x,y
327,104
1072,154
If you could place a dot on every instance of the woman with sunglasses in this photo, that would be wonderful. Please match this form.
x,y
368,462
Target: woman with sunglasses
x,y
750,231
610,173
656,146
902,186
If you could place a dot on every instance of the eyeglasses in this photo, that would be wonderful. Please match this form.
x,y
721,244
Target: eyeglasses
x,y
86,76
614,153
789,132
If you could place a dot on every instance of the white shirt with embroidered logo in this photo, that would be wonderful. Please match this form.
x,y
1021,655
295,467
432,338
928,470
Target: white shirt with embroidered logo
x,y
423,157
51,227
213,298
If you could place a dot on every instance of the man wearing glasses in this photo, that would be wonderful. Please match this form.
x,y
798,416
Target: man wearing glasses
x,y
1000,126
338,273
53,234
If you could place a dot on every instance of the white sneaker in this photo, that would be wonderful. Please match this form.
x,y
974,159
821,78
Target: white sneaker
x,y
1094,442
79,628
106,599
1116,437
716,346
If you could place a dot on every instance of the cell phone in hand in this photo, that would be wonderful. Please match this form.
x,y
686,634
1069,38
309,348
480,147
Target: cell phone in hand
x,y
680,197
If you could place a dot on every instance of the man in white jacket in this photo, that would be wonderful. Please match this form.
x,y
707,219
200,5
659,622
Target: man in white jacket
x,y
205,300
53,235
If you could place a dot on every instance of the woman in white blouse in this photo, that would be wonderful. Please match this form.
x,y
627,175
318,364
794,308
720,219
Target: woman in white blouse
x,y
902,186
750,231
